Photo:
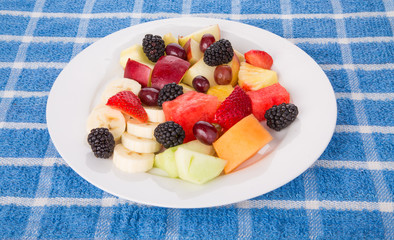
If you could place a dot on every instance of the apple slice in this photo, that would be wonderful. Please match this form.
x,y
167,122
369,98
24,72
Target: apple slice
x,y
186,88
214,30
138,72
169,38
135,53
200,68
234,64
197,167
240,56
193,51
168,69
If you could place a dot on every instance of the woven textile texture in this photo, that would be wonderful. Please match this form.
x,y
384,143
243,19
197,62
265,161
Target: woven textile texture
x,y
346,194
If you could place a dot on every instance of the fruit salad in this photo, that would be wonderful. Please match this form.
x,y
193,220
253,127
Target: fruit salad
x,y
192,106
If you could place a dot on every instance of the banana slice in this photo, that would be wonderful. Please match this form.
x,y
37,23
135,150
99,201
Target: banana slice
x,y
118,85
132,162
155,114
104,116
143,130
101,105
139,145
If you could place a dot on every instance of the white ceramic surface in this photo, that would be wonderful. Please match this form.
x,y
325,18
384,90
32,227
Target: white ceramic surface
x,y
77,89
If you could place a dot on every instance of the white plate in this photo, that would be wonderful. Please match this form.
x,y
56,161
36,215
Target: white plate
x,y
76,91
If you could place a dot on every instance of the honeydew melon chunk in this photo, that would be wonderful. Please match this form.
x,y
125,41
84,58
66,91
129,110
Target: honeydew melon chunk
x,y
166,159
200,147
197,167
158,172
166,162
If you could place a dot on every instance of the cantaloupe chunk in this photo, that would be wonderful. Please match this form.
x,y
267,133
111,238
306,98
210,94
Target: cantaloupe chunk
x,y
241,141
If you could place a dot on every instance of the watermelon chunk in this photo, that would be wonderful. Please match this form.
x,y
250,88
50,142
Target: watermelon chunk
x,y
190,108
264,98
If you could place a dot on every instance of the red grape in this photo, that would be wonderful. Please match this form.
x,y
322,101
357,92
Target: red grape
x,y
205,132
223,74
149,96
176,50
206,41
201,84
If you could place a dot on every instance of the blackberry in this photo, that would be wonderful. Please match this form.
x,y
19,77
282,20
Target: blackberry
x,y
169,134
153,47
169,92
102,142
280,116
218,53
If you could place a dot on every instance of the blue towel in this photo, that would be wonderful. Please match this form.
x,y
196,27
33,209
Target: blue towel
x,y
346,194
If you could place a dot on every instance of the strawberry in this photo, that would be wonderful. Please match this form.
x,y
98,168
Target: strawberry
x,y
129,103
259,59
235,107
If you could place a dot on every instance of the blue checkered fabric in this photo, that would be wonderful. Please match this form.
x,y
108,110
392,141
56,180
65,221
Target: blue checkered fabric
x,y
346,194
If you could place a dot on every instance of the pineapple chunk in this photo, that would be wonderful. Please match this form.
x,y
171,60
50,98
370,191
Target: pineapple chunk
x,y
252,78
220,91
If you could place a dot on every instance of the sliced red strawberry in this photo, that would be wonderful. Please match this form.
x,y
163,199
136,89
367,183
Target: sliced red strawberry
x,y
259,59
233,108
129,103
